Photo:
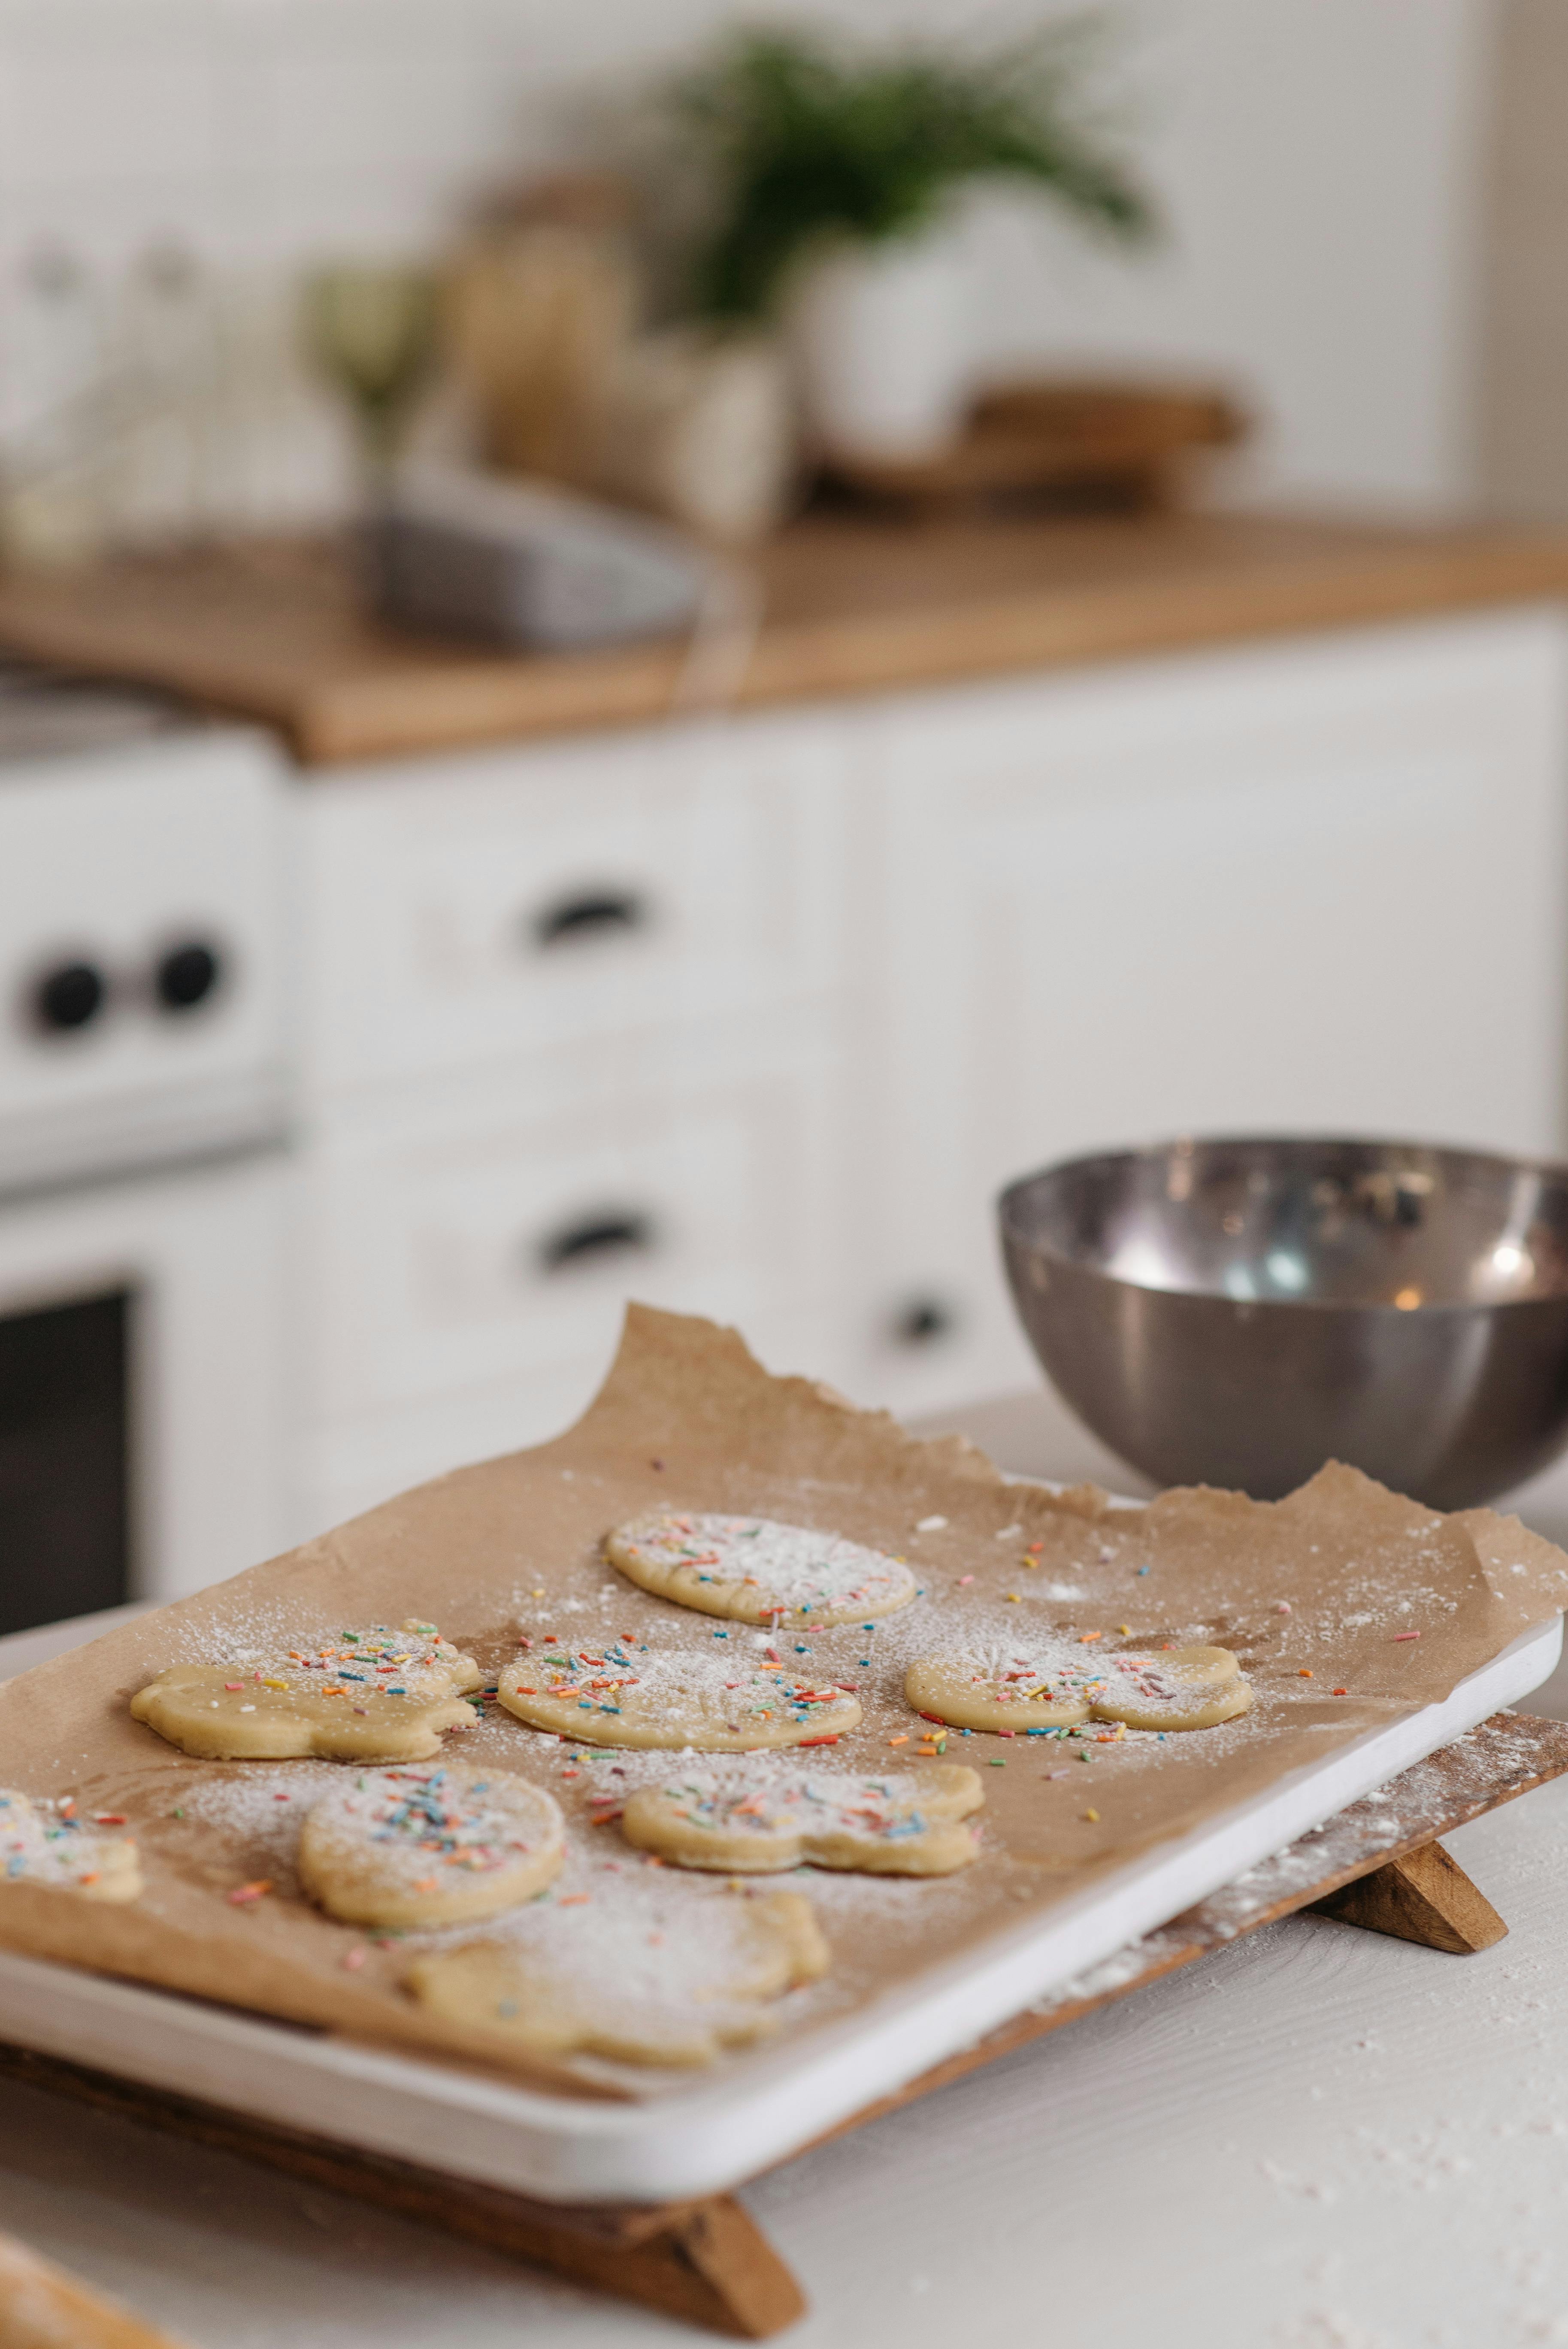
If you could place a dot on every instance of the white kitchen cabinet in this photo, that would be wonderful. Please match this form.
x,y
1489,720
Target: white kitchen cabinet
x,y
472,908
1312,886
881,958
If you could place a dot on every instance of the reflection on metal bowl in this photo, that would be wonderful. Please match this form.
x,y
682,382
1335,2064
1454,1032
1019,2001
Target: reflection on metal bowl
x,y
1236,1312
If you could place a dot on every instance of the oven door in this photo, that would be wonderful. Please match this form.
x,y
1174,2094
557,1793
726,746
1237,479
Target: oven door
x,y
142,1387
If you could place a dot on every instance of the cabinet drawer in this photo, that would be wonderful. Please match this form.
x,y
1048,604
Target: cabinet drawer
x,y
473,909
500,1249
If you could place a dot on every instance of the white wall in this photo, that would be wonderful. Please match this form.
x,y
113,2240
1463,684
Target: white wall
x,y
1321,162
1317,157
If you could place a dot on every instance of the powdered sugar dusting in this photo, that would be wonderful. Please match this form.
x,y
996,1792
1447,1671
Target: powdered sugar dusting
x,y
413,1661
44,1843
424,1821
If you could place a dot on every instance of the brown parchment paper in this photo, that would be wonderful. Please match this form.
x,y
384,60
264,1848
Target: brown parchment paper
x,y
688,1418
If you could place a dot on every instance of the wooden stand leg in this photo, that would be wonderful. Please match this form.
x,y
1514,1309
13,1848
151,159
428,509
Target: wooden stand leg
x,y
42,2307
710,2263
1423,1897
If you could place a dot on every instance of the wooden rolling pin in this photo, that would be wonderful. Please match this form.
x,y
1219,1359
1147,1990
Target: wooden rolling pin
x,y
41,2307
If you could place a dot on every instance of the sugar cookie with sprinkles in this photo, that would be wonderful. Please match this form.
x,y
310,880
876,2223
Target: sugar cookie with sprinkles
x,y
374,1696
625,1695
892,1822
430,1845
1041,1684
1054,1683
755,1571
643,1978
1174,1688
45,1844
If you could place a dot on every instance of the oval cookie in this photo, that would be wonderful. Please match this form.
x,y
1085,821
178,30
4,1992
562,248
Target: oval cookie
x,y
898,1823
681,1697
411,1848
1174,1688
368,1696
755,1571
43,1843
1051,1685
1043,1686
637,1977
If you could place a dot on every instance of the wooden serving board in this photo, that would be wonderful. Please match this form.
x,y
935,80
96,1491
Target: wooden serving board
x,y
1121,445
1377,1865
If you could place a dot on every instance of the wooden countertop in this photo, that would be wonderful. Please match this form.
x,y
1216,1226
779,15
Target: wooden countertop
x,y
272,629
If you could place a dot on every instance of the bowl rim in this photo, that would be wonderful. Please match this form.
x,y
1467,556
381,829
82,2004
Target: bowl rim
x,y
1508,1161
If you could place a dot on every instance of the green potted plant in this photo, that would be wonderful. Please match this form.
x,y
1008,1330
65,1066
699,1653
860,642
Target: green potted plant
x,y
832,177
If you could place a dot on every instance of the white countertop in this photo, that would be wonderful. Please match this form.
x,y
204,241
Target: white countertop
x,y
1318,2140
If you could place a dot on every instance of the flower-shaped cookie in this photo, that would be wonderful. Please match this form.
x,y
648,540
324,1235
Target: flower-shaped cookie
x,y
622,1694
45,1844
755,1571
428,1845
367,1696
1054,1683
895,1823
638,1975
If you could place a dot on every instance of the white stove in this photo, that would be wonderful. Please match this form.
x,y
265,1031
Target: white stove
x,y
143,1177
141,956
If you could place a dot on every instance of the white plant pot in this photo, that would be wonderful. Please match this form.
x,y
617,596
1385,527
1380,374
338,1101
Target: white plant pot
x,y
883,346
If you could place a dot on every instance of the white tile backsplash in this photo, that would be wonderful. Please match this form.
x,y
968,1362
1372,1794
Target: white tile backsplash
x,y
121,113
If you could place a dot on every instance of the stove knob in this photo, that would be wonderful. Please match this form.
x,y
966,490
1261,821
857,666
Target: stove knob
x,y
68,996
187,976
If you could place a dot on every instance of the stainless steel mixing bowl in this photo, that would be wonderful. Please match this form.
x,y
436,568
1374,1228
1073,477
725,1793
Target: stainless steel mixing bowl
x,y
1236,1312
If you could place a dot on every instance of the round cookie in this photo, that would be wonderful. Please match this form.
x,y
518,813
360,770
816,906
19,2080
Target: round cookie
x,y
899,1823
43,1843
676,1698
368,1696
755,1571
1048,1685
417,1846
1174,1688
640,1978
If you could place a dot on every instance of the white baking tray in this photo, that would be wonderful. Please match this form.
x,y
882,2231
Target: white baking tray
x,y
746,2116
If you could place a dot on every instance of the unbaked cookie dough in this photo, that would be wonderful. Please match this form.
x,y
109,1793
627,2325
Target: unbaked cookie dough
x,y
897,1823
44,1843
430,1845
637,1978
1052,1684
719,1704
367,1696
755,1571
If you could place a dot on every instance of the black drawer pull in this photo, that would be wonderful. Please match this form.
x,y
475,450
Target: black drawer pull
x,y
592,914
595,1236
924,1322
